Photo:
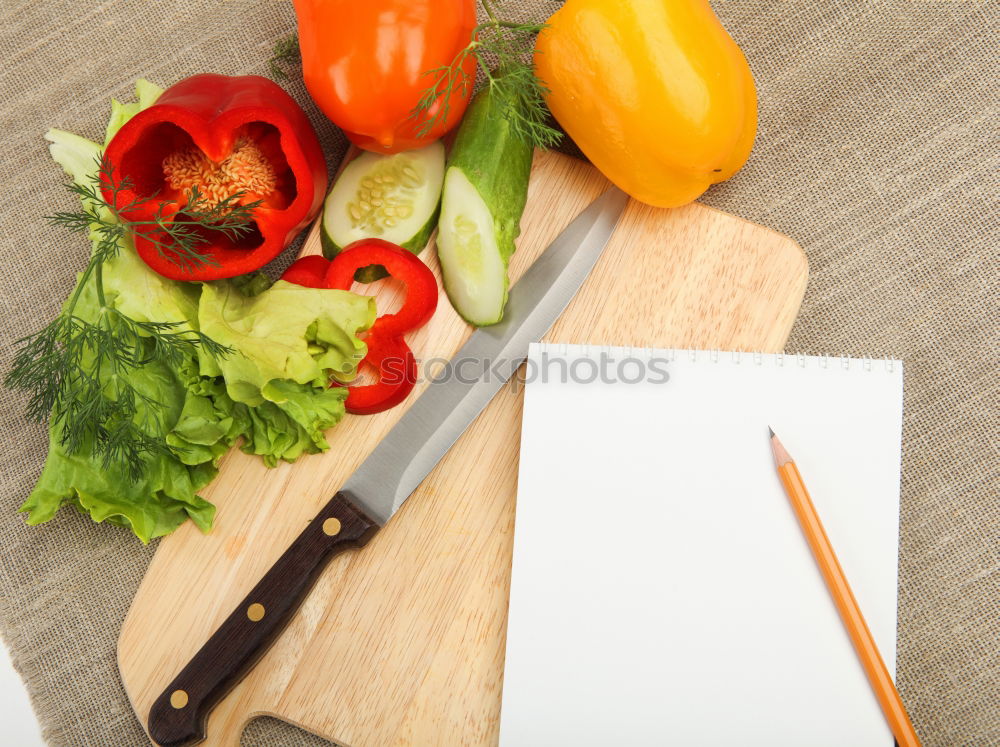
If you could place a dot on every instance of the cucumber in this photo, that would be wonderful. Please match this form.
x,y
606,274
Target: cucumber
x,y
393,197
485,188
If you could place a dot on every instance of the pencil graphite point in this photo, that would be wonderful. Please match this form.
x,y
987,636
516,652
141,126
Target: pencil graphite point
x,y
770,432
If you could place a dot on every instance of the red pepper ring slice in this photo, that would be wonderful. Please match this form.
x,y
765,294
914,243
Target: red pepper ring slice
x,y
308,271
222,135
421,285
397,373
388,354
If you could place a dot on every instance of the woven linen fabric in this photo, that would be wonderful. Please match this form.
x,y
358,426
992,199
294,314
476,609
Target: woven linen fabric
x,y
876,150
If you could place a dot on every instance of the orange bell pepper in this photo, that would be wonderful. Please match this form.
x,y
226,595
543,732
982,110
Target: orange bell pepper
x,y
364,62
655,93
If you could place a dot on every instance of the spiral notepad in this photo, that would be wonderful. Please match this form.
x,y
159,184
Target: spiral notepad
x,y
662,591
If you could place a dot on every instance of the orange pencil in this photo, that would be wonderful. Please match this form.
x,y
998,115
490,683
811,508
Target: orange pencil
x,y
847,605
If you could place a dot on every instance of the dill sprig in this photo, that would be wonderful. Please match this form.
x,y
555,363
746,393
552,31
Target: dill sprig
x,y
178,233
284,54
502,50
77,369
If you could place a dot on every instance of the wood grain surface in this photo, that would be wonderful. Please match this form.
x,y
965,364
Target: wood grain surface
x,y
402,642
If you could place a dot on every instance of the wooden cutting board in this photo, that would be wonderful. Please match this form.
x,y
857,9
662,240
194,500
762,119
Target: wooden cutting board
x,y
402,643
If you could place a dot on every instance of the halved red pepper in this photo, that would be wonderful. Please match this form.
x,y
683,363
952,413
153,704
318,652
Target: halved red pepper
x,y
221,135
387,353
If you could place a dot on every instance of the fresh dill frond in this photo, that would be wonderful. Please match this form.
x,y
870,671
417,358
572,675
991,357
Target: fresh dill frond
x,y
445,80
502,50
284,54
522,97
179,233
78,370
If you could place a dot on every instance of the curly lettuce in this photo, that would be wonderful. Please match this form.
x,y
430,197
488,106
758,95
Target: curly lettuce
x,y
290,339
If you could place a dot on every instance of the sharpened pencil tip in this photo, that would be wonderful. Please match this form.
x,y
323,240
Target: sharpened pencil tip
x,y
770,432
780,455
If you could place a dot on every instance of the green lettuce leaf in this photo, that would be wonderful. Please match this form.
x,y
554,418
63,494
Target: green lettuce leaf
x,y
166,495
158,502
77,155
285,430
288,332
208,424
146,94
145,295
289,338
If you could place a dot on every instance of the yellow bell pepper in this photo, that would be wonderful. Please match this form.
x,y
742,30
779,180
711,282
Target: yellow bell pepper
x,y
655,92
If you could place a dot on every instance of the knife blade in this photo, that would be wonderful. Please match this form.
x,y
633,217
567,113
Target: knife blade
x,y
387,477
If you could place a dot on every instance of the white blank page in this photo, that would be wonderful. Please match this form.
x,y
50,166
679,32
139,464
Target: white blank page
x,y
662,590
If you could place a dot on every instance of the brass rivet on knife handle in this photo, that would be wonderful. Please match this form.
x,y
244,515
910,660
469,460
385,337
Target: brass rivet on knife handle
x,y
178,699
255,611
331,527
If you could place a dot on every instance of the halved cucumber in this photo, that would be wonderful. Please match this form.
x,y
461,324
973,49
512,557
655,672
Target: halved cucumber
x,y
485,188
393,197
475,273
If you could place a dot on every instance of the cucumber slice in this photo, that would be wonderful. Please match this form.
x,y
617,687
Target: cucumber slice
x,y
393,197
475,274
485,188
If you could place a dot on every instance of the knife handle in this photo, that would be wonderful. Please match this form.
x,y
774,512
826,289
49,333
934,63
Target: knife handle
x,y
179,715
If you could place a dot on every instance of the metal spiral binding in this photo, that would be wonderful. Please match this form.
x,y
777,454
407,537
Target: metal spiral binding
x,y
825,361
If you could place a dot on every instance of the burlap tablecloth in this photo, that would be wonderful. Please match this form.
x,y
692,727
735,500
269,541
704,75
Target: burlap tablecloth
x,y
877,151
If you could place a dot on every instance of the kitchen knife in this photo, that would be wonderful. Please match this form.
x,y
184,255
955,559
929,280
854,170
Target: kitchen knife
x,y
388,475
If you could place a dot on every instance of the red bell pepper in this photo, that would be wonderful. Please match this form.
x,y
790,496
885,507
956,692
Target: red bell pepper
x,y
388,353
421,285
221,135
308,271
397,373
